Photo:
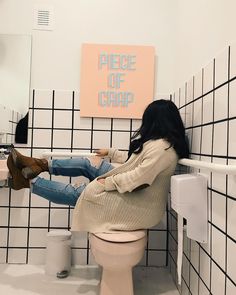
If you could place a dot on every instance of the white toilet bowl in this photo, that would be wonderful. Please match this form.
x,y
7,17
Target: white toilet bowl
x,y
117,253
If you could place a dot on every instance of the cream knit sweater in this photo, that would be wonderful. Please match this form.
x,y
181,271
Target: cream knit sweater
x,y
117,205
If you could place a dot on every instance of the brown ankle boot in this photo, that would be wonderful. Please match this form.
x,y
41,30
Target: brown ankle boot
x,y
31,167
17,180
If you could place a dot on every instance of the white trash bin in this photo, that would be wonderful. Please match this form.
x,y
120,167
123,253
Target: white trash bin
x,y
58,255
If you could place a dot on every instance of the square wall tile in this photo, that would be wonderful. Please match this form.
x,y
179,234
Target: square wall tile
x,y
218,280
218,247
221,67
203,289
185,268
62,138
79,257
189,115
186,245
63,99
193,281
20,198
157,240
43,99
220,139
79,239
19,217
37,201
206,147
194,257
81,123
218,210
196,140
62,119
219,179
231,259
39,217
17,256
208,77
120,140
42,119
101,139
3,255
204,268
136,123
221,103
42,138
18,237
197,112
102,123
157,258
82,139
232,138
38,237
59,218
121,124
232,101
4,213
208,108
37,256
3,235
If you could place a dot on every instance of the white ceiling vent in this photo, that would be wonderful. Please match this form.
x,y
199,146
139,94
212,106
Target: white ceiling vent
x,y
43,18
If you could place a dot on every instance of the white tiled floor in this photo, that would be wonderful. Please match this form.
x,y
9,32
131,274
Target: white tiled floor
x,y
30,280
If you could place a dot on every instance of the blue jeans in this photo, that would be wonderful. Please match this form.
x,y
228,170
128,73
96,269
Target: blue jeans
x,y
68,194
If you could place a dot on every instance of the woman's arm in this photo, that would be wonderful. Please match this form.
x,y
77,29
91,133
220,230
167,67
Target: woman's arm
x,y
115,155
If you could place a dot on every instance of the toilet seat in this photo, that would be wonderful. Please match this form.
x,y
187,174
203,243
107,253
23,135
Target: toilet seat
x,y
121,236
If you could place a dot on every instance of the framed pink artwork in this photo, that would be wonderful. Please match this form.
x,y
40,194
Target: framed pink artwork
x,y
117,81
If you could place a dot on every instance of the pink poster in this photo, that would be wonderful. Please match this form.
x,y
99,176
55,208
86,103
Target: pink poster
x,y
117,81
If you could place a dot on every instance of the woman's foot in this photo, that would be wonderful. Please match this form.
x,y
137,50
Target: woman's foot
x,y
17,180
30,167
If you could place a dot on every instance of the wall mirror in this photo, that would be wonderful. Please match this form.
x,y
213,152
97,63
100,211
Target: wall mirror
x,y
15,66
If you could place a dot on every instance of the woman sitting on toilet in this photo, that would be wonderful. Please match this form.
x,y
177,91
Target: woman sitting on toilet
x,y
129,197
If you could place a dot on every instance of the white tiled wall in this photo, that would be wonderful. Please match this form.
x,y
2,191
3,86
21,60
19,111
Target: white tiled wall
x,y
210,268
25,219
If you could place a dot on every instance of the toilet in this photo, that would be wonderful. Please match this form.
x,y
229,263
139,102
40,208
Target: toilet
x,y
117,253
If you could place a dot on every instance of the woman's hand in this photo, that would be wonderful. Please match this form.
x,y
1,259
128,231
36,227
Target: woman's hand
x,y
101,180
101,152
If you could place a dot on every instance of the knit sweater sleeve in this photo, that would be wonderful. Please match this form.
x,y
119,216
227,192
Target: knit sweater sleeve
x,y
117,156
154,161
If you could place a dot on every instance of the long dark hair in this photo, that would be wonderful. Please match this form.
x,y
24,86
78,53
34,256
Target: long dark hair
x,y
161,119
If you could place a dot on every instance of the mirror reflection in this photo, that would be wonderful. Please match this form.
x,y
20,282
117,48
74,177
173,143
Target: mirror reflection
x,y
15,63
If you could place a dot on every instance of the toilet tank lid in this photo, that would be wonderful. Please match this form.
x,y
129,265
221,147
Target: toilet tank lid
x,y
121,236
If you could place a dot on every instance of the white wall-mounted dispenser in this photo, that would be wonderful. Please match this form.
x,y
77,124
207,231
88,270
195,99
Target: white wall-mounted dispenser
x,y
189,200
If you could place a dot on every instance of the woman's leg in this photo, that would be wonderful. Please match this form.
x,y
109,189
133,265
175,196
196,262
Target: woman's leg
x,y
81,166
56,192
